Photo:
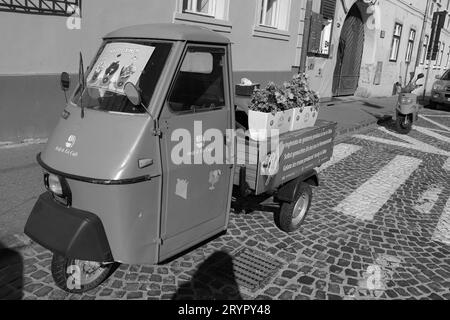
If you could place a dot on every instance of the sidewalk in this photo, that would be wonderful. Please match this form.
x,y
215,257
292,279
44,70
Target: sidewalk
x,y
353,114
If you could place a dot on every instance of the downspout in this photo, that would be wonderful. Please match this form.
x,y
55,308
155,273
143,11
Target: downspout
x,y
305,40
430,43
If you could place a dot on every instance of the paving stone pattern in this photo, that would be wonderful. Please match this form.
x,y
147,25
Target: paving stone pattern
x,y
333,256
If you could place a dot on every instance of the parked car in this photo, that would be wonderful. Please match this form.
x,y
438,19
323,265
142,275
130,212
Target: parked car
x,y
440,94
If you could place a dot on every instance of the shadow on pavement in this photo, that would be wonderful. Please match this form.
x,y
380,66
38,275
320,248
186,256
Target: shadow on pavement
x,y
11,274
213,280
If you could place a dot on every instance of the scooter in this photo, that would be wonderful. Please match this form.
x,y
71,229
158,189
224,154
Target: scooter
x,y
407,108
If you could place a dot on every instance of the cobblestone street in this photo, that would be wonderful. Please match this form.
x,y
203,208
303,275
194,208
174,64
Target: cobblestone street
x,y
378,228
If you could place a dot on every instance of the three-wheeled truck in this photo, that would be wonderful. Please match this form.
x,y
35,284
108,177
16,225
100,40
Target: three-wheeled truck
x,y
142,163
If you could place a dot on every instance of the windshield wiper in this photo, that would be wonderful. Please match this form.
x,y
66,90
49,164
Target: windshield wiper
x,y
82,83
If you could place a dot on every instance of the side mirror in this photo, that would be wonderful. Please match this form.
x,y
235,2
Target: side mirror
x,y
132,93
438,77
65,81
420,76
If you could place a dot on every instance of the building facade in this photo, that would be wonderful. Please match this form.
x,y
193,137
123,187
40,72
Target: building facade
x,y
41,40
347,47
369,45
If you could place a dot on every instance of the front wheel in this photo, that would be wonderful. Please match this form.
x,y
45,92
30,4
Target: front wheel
x,y
79,276
292,214
403,123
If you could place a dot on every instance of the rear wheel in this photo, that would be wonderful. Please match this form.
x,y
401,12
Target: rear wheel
x,y
403,123
79,276
292,214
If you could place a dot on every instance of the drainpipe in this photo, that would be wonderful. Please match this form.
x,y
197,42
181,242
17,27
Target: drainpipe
x,y
422,35
430,43
305,40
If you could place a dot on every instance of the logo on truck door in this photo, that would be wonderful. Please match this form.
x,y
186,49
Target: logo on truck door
x,y
71,141
68,147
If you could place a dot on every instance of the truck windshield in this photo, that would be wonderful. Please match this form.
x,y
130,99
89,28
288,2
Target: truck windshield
x,y
117,63
446,76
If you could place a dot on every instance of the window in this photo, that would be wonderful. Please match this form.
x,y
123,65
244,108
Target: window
x,y
409,49
209,8
424,49
396,42
321,29
43,7
448,58
206,7
274,14
200,84
438,53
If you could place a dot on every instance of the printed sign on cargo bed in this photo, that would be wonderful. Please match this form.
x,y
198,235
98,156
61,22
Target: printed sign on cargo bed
x,y
298,153
118,64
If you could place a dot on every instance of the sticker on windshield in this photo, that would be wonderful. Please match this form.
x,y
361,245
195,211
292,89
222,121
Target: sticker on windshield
x,y
118,64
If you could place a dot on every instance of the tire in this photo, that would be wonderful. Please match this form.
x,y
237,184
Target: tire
x,y
292,214
63,271
403,123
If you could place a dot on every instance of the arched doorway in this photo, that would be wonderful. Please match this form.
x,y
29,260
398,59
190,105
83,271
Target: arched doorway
x,y
349,56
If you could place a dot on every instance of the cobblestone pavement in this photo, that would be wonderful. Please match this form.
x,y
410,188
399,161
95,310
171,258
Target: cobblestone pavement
x,y
398,248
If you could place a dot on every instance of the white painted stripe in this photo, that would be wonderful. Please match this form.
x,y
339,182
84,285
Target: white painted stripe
x,y
442,231
368,199
435,123
447,165
437,130
413,144
437,115
340,152
428,199
430,133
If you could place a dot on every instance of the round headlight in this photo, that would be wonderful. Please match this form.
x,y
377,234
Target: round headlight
x,y
54,185
437,87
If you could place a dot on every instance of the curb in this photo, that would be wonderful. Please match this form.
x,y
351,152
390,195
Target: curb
x,y
15,241
23,143
344,133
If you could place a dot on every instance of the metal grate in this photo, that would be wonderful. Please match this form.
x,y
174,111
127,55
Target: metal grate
x,y
41,7
252,269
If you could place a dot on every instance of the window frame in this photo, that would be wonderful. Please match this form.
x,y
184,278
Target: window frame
x,y
277,16
194,4
396,37
448,57
167,106
410,46
217,22
424,49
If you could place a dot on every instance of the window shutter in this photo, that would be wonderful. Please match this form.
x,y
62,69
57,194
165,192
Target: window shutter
x,y
315,33
436,28
328,9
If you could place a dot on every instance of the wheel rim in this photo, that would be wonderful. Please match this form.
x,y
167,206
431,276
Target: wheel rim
x,y
89,270
405,122
300,208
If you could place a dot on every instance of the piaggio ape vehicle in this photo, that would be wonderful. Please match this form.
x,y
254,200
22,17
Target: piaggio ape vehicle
x,y
127,170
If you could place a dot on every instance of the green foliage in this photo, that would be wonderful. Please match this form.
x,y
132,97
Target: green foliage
x,y
293,94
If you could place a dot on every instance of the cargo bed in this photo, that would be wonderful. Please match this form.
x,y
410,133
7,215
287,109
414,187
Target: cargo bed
x,y
263,166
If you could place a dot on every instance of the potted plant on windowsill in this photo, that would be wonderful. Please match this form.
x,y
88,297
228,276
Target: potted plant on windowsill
x,y
276,110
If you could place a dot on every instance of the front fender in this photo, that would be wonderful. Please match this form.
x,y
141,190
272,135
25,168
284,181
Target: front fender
x,y
72,233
